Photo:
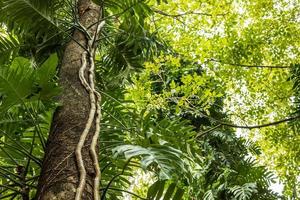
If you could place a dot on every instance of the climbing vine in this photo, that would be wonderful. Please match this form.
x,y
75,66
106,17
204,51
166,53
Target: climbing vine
x,y
95,109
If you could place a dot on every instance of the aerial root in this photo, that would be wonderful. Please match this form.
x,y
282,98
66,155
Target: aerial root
x,y
94,110
93,149
78,154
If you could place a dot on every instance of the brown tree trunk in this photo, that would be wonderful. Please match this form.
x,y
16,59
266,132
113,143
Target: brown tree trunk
x,y
59,176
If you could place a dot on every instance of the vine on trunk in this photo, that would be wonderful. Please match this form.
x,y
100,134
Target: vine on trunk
x,y
95,109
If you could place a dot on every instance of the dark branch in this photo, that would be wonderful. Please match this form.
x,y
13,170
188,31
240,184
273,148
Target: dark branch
x,y
131,193
222,123
116,14
250,66
208,131
179,15
183,14
259,126
113,178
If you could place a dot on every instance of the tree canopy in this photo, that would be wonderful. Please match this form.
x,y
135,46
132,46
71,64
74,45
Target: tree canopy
x,y
199,99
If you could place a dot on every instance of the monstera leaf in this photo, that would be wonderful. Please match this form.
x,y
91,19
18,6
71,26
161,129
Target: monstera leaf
x,y
167,159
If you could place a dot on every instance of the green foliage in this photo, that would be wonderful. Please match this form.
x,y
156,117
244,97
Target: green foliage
x,y
36,25
129,42
26,112
226,38
169,161
150,152
244,192
27,14
296,83
209,195
168,72
156,191
21,83
9,46
16,83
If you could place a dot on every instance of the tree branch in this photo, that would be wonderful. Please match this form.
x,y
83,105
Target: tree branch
x,y
183,14
113,178
131,193
250,66
116,14
222,123
208,131
260,126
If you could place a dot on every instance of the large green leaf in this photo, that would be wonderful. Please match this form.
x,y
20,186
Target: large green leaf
x,y
20,83
164,190
45,75
168,160
209,195
244,192
30,15
9,45
16,83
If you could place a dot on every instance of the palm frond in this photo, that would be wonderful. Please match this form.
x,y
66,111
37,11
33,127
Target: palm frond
x,y
16,83
129,42
41,26
9,46
26,15
21,83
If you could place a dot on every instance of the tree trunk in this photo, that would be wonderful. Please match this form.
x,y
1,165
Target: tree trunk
x,y
59,175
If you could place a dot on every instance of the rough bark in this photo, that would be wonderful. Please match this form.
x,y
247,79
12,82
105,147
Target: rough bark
x,y
59,176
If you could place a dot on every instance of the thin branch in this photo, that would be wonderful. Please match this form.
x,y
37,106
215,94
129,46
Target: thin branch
x,y
25,190
31,151
10,188
249,126
131,193
38,130
10,173
183,14
35,159
11,158
117,14
107,165
252,126
9,195
113,178
115,118
13,197
4,175
250,66
208,131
